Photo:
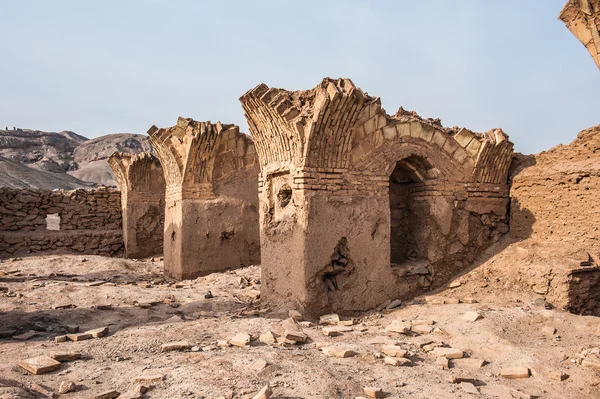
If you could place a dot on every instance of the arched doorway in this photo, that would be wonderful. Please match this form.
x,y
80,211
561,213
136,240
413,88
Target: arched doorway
x,y
408,215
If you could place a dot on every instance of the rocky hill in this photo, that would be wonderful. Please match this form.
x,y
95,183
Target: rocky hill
x,y
16,175
91,156
38,159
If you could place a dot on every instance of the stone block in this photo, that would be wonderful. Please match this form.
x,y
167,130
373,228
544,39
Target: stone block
x,y
448,353
515,372
39,364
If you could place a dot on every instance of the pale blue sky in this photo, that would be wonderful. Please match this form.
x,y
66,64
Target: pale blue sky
x,y
98,67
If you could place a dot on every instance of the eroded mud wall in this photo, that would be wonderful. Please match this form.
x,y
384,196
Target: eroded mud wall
x,y
141,182
211,213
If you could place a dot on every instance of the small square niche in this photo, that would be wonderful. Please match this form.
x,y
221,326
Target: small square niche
x,y
53,221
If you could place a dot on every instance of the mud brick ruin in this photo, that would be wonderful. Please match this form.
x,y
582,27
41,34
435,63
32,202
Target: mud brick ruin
x,y
80,221
211,214
582,17
358,207
142,185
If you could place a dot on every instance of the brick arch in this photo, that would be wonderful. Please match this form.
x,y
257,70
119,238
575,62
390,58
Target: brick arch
x,y
162,143
118,162
191,149
141,172
383,159
310,128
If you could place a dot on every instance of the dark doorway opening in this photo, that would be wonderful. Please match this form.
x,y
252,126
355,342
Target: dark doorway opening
x,y
406,218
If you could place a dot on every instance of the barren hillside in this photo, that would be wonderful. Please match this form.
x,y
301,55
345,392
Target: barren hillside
x,y
61,160
91,156
16,175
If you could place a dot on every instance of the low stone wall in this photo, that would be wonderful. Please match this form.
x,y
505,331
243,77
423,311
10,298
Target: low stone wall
x,y
80,221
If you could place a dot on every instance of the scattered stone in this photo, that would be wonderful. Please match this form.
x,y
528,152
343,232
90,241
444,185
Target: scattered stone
x,y
448,353
469,388
65,356
223,343
471,363
208,295
422,328
396,303
471,316
592,362
66,387
107,395
7,333
60,338
136,392
558,376
373,392
258,365
96,283
430,346
297,336
64,306
329,319
548,330
340,351
294,314
442,362
439,331
422,322
107,306
469,300
393,350
79,337
454,284
175,346
346,323
395,361
515,372
264,393
268,337
306,324
334,331
39,364
451,301
242,340
434,300
25,336
253,294
398,327
149,379
98,332
43,390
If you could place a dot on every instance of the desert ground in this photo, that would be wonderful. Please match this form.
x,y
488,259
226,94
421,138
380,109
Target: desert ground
x,y
45,297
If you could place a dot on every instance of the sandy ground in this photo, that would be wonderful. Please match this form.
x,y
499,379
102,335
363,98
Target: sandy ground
x,y
45,293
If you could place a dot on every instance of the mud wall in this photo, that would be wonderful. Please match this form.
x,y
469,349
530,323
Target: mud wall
x,y
141,182
555,218
211,213
79,221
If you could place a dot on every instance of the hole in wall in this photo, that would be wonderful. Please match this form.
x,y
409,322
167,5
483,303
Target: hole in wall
x,y
227,235
172,236
284,196
337,265
53,221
